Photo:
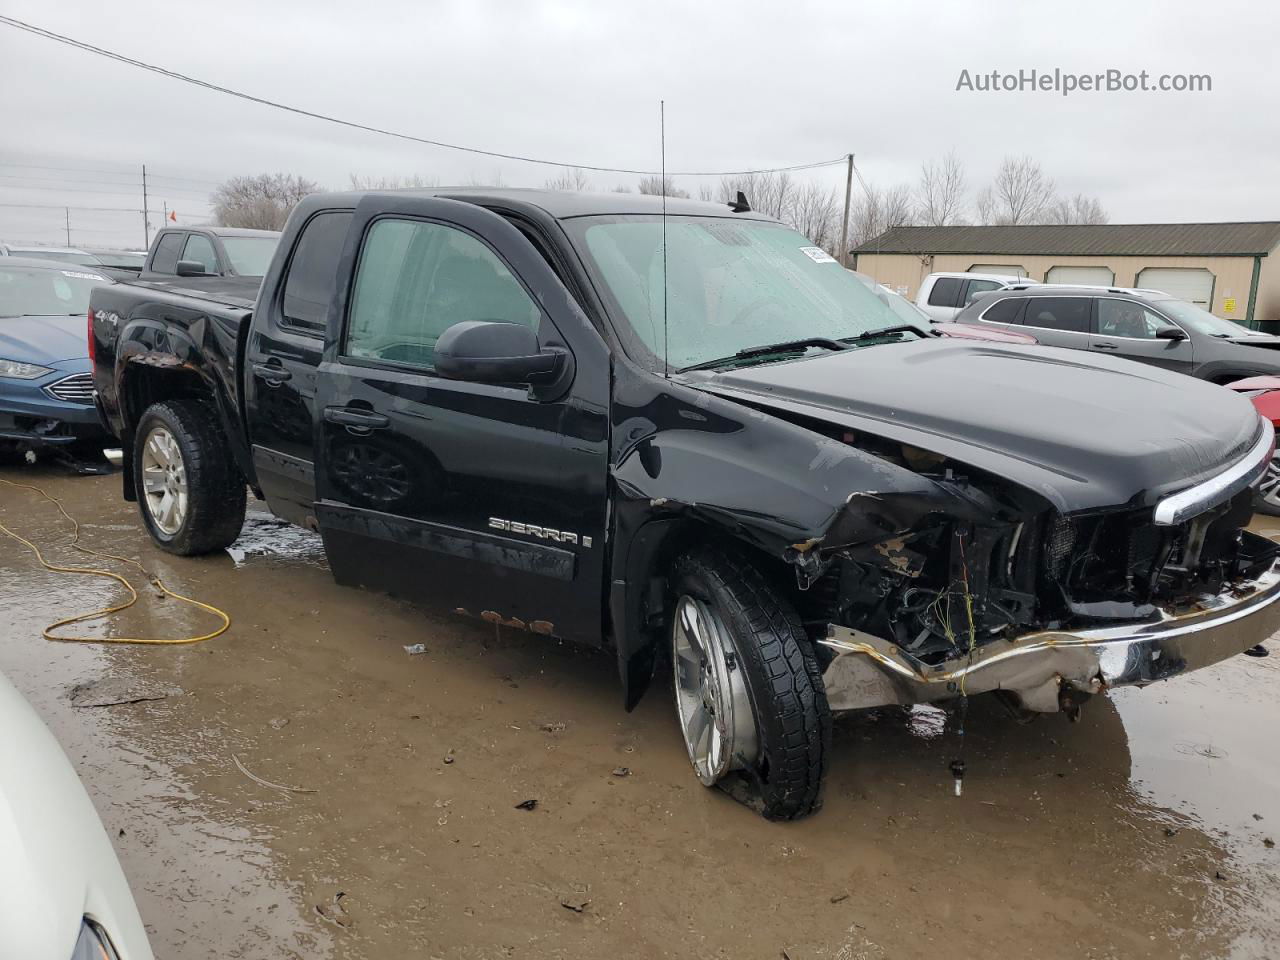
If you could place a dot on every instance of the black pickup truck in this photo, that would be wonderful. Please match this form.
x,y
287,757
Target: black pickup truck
x,y
693,437
223,261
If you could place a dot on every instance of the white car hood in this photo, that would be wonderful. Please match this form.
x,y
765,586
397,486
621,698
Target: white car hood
x,y
56,863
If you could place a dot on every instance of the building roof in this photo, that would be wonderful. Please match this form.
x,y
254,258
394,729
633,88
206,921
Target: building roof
x,y
1110,239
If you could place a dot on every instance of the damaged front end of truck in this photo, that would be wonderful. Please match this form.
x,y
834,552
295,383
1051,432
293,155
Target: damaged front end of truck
x,y
931,578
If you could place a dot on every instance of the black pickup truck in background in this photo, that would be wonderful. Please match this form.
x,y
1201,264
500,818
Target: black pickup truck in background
x,y
691,436
227,261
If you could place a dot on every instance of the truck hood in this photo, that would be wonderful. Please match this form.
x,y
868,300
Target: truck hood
x,y
43,339
1083,432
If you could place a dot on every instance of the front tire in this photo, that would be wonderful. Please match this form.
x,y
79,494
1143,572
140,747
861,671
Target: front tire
x,y
1267,498
748,686
190,494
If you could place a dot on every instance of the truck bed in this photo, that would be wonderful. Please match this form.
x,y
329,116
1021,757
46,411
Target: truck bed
x,y
239,292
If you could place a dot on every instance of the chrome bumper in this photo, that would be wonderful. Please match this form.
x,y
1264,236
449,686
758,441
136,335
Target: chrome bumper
x,y
870,672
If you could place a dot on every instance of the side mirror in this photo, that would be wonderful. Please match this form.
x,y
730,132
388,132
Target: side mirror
x,y
1171,332
192,268
493,351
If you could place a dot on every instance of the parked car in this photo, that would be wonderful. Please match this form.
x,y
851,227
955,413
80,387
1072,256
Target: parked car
x,y
46,387
60,254
742,465
943,295
222,260
120,264
1264,394
63,895
909,313
1158,330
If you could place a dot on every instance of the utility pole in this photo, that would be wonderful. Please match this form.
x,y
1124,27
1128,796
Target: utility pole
x,y
165,221
844,226
146,222
67,211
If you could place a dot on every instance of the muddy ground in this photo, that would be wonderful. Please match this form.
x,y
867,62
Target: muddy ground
x,y
1138,832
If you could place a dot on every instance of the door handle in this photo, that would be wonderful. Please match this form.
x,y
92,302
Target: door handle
x,y
1105,346
271,372
352,417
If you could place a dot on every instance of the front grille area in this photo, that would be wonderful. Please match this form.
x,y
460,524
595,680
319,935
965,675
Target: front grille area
x,y
77,388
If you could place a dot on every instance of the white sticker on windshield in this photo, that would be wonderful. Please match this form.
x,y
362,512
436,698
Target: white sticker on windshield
x,y
817,255
82,276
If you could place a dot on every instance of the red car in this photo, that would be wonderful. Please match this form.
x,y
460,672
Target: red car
x,y
1264,392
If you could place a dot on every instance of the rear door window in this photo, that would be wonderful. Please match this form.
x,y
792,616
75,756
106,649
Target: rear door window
x,y
166,256
313,268
946,292
1070,314
200,250
1008,310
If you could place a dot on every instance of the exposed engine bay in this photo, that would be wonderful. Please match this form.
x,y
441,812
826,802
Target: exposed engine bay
x,y
936,588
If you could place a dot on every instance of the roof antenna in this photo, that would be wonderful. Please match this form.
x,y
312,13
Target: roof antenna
x,y
740,204
662,139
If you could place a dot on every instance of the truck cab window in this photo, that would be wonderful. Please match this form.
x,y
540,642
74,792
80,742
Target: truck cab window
x,y
417,279
200,250
166,257
308,286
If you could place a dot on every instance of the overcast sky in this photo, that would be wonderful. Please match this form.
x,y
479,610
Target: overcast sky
x,y
747,84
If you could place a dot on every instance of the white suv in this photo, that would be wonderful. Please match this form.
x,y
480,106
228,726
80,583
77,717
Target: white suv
x,y
943,295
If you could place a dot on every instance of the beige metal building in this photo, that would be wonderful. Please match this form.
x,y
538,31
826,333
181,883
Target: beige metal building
x,y
1231,269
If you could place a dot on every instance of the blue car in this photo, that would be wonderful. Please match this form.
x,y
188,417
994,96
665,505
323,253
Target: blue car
x,y
46,386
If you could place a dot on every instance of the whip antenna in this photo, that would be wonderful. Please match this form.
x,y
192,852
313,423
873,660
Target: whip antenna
x,y
662,139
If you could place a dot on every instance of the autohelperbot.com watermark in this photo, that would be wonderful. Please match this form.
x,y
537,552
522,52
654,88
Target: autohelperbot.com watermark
x,y
1065,82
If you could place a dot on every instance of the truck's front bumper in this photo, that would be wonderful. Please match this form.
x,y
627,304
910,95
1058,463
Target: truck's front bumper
x,y
869,672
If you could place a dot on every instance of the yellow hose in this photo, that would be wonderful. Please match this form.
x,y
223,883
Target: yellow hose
x,y
92,572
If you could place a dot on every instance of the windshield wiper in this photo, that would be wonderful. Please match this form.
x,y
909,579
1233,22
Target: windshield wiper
x,y
786,346
884,332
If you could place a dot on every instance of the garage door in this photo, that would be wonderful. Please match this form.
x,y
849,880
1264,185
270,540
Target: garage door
x,y
999,269
1081,276
1186,283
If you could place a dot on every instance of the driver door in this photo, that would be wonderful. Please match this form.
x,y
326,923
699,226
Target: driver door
x,y
478,497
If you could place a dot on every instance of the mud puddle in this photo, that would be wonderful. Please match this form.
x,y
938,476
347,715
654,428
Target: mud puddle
x,y
1129,834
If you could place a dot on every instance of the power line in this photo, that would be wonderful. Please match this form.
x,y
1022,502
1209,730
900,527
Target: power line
x,y
105,183
105,192
60,206
114,173
174,75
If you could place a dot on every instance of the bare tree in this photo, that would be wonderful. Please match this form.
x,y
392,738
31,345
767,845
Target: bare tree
x,y
770,193
621,188
942,190
414,181
814,211
262,202
707,191
984,206
571,179
876,211
1078,209
657,186
1021,192
493,180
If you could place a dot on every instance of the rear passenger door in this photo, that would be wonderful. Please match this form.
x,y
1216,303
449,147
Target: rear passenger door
x,y
281,358
1059,321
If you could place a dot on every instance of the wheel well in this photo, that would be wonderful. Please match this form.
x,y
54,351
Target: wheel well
x,y
139,389
639,609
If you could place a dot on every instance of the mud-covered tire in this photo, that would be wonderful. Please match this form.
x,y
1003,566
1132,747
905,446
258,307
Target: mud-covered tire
x,y
215,490
783,679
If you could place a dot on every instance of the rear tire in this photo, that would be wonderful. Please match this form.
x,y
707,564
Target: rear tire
x,y
758,673
190,494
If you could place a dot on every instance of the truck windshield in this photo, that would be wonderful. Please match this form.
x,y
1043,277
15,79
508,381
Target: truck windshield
x,y
731,285
36,292
250,256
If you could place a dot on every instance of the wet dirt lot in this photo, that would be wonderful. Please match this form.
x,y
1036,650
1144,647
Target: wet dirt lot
x,y
1138,832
